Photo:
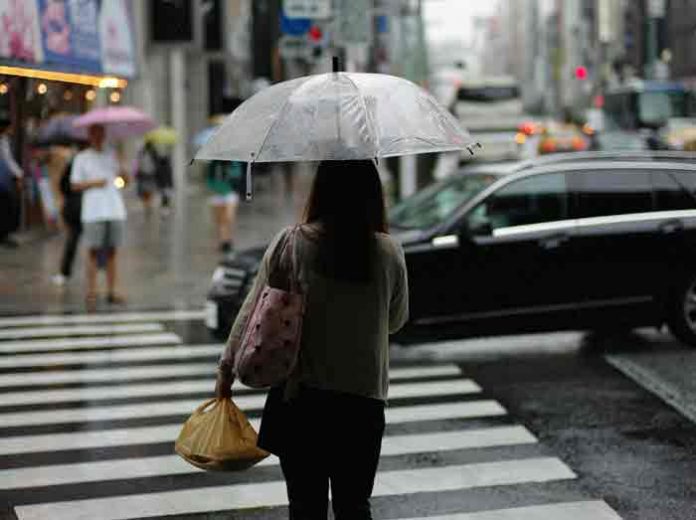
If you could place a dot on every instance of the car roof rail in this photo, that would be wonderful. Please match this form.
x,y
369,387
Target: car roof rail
x,y
613,155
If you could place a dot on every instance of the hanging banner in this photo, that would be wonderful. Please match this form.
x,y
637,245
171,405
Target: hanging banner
x,y
70,34
20,37
117,38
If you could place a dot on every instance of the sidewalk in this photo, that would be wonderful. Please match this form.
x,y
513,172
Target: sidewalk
x,y
165,263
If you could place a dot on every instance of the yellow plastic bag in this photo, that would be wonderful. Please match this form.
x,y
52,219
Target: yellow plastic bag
x,y
219,438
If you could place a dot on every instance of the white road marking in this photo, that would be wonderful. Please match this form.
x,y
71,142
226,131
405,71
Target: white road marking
x,y
130,340
78,330
170,406
127,374
112,317
589,510
112,356
53,442
174,465
266,494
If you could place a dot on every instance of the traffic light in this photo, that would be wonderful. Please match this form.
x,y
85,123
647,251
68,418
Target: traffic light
x,y
581,72
317,40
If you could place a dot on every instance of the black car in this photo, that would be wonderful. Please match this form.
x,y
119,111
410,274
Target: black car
x,y
608,243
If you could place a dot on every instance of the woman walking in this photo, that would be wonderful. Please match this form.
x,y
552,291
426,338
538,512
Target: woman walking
x,y
225,182
72,210
326,423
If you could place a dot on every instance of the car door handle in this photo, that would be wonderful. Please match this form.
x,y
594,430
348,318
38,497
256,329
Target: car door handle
x,y
671,226
554,241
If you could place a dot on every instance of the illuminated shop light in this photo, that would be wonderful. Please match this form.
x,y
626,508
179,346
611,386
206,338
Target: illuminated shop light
x,y
90,95
80,79
42,88
115,97
3,89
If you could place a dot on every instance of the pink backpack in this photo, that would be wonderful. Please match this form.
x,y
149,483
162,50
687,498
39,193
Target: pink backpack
x,y
271,340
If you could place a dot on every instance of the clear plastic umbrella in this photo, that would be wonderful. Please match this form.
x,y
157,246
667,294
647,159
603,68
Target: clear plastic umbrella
x,y
336,116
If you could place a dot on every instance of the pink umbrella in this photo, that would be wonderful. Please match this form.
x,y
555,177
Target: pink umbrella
x,y
120,122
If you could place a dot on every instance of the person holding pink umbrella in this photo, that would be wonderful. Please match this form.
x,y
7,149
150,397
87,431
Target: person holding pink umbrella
x,y
95,172
99,175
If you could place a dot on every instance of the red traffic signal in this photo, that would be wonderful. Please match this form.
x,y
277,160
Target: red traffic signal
x,y
315,34
581,72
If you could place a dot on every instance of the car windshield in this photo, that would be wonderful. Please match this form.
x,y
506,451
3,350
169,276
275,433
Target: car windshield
x,y
435,204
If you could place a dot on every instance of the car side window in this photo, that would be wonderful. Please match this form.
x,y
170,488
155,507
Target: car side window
x,y
533,200
670,195
604,193
686,179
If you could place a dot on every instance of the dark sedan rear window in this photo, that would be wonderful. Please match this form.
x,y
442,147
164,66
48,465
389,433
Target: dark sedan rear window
x,y
604,193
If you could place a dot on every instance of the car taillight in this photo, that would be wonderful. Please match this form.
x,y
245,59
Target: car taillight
x,y
579,144
548,145
530,128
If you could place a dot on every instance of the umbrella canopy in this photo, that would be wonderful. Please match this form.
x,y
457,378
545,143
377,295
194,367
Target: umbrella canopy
x,y
59,131
120,122
163,135
336,116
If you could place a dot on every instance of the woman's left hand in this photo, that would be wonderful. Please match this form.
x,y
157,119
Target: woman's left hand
x,y
223,386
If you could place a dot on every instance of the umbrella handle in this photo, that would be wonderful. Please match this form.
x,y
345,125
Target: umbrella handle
x,y
248,181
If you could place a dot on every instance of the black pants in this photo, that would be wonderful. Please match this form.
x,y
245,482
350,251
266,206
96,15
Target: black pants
x,y
70,248
329,439
9,211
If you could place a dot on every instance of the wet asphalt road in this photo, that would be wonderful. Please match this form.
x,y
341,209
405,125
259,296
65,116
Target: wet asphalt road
x,y
626,444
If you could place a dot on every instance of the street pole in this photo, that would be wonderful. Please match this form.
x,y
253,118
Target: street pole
x,y
177,75
656,11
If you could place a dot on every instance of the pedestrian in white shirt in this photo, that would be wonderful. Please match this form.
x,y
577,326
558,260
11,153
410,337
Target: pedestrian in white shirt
x,y
95,172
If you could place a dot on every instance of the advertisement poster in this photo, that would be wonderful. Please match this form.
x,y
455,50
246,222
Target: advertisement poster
x,y
20,37
70,34
117,38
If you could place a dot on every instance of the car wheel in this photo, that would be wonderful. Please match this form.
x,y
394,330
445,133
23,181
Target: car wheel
x,y
682,312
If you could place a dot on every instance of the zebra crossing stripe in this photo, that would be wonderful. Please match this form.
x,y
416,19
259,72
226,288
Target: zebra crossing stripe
x,y
129,374
131,340
174,465
111,317
587,510
143,354
79,330
268,494
144,389
54,442
170,406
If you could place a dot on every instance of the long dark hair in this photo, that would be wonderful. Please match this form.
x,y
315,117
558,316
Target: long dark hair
x,y
348,202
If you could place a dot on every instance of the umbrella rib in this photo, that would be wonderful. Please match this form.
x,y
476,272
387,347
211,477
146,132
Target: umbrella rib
x,y
270,128
368,119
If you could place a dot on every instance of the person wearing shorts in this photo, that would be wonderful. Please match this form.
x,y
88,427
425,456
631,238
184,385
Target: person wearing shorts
x,y
225,181
94,173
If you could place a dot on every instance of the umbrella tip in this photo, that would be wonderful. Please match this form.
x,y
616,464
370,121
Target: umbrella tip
x,y
335,64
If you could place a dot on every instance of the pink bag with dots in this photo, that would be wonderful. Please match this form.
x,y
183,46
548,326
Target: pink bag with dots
x,y
271,340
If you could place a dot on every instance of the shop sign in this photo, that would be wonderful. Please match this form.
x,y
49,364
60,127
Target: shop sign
x,y
20,36
294,26
315,9
117,38
70,34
